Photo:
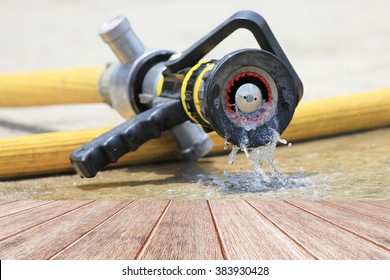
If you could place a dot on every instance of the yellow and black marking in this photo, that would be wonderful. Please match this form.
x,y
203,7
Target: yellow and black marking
x,y
160,85
190,89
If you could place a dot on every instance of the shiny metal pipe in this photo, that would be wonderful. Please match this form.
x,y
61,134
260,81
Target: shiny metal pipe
x,y
121,38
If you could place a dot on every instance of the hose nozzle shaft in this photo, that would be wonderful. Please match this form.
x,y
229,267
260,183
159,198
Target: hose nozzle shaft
x,y
119,35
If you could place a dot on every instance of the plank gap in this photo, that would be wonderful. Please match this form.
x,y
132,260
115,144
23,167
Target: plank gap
x,y
121,237
24,209
374,203
4,202
354,210
303,247
225,254
27,209
89,231
44,222
338,225
144,246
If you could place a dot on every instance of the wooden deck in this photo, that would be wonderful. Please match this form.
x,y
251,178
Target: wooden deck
x,y
195,229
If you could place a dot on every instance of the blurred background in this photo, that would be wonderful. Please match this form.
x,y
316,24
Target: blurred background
x,y
336,46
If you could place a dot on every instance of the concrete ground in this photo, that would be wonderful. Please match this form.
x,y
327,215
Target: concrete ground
x,y
336,46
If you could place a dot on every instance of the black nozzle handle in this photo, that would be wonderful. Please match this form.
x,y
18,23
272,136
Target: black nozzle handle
x,y
126,137
249,20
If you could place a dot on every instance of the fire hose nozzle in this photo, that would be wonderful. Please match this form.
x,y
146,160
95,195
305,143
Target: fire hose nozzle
x,y
245,96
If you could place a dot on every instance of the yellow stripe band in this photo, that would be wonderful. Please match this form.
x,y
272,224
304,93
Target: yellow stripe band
x,y
183,90
160,85
196,91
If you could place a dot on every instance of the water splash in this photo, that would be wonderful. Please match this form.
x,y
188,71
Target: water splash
x,y
233,154
252,182
259,155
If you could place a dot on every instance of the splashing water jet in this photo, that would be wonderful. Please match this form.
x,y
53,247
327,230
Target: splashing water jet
x,y
259,154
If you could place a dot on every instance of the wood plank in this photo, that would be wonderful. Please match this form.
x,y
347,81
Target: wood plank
x,y
194,230
382,203
245,234
186,232
7,201
368,209
325,240
121,237
372,229
24,220
18,206
45,240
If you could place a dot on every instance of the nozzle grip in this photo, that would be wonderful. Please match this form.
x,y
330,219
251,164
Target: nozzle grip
x,y
126,137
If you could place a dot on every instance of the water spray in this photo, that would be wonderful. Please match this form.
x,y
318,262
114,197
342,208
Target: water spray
x,y
245,96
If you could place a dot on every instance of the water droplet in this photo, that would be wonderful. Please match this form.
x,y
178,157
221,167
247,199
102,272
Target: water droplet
x,y
226,145
233,154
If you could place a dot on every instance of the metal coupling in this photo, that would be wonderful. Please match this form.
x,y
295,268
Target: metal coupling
x,y
119,35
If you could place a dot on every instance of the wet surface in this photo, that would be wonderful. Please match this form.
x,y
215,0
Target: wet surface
x,y
355,166
322,39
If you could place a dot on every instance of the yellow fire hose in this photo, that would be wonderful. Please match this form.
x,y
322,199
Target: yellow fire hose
x,y
50,87
48,153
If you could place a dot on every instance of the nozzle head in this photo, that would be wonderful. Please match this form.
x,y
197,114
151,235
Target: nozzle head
x,y
249,94
248,98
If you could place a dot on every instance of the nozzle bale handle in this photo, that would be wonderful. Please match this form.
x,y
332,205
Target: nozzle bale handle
x,y
126,137
246,19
